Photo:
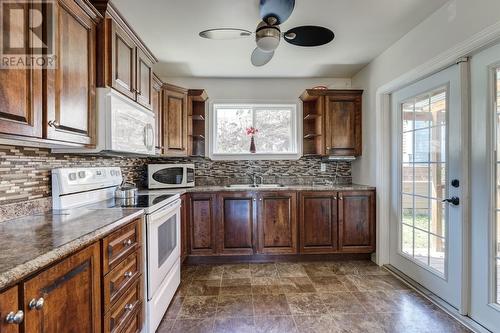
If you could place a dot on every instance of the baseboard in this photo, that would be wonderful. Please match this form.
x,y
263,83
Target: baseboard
x,y
439,302
263,258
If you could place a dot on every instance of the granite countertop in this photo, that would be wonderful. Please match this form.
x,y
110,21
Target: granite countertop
x,y
32,242
347,187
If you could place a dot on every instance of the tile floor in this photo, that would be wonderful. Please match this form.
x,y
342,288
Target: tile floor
x,y
348,296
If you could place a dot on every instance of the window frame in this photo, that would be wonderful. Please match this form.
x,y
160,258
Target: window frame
x,y
296,128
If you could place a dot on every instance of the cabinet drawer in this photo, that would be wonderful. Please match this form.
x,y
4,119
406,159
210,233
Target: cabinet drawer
x,y
120,244
135,325
121,277
122,312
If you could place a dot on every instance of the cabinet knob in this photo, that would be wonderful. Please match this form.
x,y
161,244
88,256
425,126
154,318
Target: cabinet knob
x,y
127,242
36,304
15,318
129,274
53,123
129,307
334,198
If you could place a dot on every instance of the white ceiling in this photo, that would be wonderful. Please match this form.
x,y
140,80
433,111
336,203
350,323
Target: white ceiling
x,y
363,29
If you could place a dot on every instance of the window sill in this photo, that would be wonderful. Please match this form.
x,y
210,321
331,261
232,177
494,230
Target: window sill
x,y
254,157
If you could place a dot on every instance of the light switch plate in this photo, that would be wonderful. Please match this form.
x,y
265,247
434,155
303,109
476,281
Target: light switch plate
x,y
323,167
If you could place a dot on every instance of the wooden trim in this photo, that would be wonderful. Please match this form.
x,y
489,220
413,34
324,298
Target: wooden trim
x,y
198,95
90,10
262,258
312,94
174,88
113,12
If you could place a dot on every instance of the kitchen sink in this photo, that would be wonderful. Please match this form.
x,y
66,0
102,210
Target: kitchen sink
x,y
254,186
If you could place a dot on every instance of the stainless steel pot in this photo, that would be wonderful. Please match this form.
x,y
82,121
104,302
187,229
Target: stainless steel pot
x,y
126,191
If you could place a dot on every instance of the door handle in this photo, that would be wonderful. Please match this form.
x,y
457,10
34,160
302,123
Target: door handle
x,y
455,201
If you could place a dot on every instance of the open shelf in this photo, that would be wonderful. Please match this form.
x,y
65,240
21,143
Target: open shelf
x,y
196,117
311,136
311,116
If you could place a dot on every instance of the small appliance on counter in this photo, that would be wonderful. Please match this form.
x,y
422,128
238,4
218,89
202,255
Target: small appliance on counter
x,y
164,176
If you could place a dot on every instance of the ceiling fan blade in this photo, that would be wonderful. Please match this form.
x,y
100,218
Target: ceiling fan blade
x,y
279,9
225,33
309,35
260,58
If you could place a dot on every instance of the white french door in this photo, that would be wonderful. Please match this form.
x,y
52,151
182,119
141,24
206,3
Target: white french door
x,y
426,231
485,188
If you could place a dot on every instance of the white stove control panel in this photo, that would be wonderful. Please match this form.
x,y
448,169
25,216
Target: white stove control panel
x,y
74,180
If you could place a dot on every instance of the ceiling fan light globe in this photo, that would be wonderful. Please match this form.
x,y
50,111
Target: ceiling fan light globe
x,y
268,44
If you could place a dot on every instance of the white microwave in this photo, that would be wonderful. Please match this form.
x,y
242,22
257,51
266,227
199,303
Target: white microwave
x,y
170,175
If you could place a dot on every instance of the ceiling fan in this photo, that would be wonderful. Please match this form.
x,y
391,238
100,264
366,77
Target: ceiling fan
x,y
268,33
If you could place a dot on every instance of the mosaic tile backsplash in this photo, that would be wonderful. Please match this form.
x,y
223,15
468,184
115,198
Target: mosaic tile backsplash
x,y
25,172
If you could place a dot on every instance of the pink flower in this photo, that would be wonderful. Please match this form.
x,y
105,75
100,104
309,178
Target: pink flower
x,y
251,131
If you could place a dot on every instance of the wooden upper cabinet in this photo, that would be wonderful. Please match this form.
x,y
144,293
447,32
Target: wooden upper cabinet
x,y
144,79
174,120
202,226
157,102
318,222
21,91
356,221
332,122
277,222
343,124
65,297
71,105
237,227
123,61
11,317
123,57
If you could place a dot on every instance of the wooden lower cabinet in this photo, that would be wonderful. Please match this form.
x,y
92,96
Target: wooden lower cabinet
x,y
66,297
201,219
356,221
318,222
237,227
277,223
11,316
281,222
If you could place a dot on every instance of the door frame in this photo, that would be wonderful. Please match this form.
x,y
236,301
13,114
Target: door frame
x,y
383,144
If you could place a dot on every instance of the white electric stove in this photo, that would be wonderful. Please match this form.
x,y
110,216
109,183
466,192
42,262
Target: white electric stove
x,y
93,188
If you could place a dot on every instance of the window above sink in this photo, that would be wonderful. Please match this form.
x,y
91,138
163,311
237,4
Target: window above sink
x,y
272,125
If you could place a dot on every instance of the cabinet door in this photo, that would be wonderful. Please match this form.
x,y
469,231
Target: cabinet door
x,y
318,222
67,296
357,221
144,77
123,62
175,123
236,223
202,223
157,103
343,124
277,222
71,86
9,307
21,90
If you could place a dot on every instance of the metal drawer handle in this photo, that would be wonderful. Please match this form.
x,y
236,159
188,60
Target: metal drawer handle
x,y
129,307
129,274
53,123
36,304
15,318
127,242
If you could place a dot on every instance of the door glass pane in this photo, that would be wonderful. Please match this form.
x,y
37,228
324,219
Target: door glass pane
x,y
497,188
423,179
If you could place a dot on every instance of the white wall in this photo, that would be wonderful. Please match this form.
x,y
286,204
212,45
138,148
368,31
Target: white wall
x,y
455,22
256,89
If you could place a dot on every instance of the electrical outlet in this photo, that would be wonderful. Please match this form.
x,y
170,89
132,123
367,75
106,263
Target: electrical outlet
x,y
323,167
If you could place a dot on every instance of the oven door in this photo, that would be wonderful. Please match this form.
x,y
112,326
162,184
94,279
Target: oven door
x,y
163,244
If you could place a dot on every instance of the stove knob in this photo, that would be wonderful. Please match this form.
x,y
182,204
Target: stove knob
x,y
72,176
81,174
112,173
